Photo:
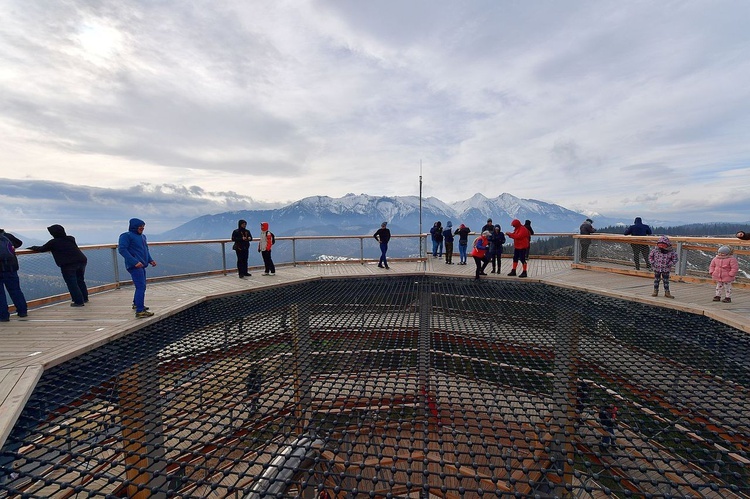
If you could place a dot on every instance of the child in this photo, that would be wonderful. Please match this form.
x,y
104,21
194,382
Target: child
x,y
481,245
723,269
662,258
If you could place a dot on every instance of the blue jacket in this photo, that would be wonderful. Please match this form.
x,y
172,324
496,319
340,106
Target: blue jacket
x,y
638,229
133,247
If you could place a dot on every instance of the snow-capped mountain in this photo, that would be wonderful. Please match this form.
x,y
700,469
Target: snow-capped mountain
x,y
362,214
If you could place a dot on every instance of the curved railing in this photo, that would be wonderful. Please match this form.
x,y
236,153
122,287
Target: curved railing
x,y
42,283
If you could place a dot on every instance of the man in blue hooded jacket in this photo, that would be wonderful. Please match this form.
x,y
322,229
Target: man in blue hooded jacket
x,y
639,229
134,249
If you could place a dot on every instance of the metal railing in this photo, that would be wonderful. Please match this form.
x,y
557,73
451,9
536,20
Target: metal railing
x,y
42,283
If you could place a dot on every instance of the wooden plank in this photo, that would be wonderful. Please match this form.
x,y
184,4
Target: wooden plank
x,y
16,386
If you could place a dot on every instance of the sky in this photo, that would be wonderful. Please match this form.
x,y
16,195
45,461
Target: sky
x,y
616,108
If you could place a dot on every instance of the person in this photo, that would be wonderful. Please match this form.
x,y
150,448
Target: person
x,y
479,253
265,243
723,269
133,247
437,239
448,238
383,235
242,239
662,258
463,242
639,229
9,277
489,227
497,239
744,235
527,224
70,259
521,241
586,229
607,417
254,383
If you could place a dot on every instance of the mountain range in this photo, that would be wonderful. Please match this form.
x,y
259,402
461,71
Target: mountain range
x,y
355,214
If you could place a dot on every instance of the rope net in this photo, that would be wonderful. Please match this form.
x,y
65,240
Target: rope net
x,y
396,387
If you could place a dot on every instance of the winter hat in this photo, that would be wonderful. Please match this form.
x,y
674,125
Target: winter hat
x,y
486,233
449,224
462,226
489,220
589,220
384,224
497,226
725,250
664,240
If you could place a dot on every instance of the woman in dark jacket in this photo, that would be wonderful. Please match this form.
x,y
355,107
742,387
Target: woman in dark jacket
x,y
70,259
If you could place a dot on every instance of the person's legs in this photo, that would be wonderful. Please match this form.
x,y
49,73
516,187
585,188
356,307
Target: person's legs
x,y
71,280
585,249
478,262
440,249
242,257
434,248
383,259
644,253
81,278
516,256
4,314
636,256
270,261
138,275
657,278
727,290
665,279
448,252
13,285
524,254
462,252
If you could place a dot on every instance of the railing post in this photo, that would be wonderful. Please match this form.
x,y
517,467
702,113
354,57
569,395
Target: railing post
x,y
576,250
224,257
361,250
681,259
115,268
294,252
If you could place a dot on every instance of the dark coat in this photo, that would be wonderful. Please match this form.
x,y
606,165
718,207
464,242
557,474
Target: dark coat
x,y
638,228
11,263
238,236
63,247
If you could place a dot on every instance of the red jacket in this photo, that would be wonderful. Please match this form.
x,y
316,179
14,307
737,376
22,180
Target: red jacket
x,y
266,239
521,237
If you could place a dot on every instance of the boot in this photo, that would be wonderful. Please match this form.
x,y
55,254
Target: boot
x,y
522,274
655,293
667,294
512,273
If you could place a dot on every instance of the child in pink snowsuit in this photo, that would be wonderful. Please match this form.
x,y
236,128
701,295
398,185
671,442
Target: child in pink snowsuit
x,y
723,269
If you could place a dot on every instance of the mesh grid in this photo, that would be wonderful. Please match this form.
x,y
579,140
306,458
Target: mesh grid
x,y
396,387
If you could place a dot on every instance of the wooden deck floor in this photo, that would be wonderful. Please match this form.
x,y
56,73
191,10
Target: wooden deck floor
x,y
53,334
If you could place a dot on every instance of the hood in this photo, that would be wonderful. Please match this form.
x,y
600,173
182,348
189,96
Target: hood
x,y
497,227
449,224
135,223
264,226
664,240
56,230
637,220
240,222
516,223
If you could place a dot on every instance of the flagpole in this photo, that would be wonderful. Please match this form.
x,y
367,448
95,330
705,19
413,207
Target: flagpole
x,y
420,208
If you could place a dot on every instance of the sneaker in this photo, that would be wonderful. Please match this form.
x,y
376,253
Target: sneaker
x,y
144,314
273,273
242,277
380,265
76,304
523,274
144,308
24,314
387,266
266,273
727,300
512,273
717,298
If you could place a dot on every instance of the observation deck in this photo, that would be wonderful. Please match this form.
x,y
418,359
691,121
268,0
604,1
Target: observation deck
x,y
346,380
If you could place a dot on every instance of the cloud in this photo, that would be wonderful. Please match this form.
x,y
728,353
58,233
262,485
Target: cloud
x,y
577,104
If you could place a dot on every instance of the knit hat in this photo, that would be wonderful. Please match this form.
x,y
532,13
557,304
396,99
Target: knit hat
x,y
589,220
725,250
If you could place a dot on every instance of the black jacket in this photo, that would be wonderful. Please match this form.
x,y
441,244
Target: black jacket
x,y
63,247
11,263
238,236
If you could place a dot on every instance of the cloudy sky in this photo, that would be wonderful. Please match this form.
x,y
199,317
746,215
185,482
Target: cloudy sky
x,y
621,108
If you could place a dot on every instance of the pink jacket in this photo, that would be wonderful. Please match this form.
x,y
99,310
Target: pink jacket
x,y
723,268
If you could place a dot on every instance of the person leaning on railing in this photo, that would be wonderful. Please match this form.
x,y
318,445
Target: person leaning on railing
x,y
639,229
744,235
